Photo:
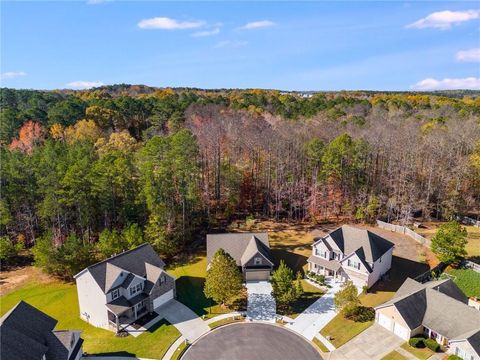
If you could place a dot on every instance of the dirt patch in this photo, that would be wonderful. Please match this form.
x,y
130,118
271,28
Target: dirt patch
x,y
13,279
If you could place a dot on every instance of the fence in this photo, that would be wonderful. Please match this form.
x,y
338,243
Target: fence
x,y
471,265
404,230
431,274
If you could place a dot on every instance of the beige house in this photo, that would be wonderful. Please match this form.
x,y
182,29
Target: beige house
x,y
251,252
438,310
122,289
350,253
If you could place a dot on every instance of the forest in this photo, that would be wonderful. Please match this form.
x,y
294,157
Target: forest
x,y
90,173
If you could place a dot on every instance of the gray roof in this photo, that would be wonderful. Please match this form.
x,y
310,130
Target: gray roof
x,y
27,333
240,246
122,304
329,264
133,261
349,239
438,305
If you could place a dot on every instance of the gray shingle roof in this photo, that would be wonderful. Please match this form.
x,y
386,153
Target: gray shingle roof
x,y
238,244
438,305
27,333
329,264
133,261
349,239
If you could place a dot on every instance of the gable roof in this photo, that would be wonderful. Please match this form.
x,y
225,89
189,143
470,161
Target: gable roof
x,y
473,338
133,261
350,239
240,246
438,305
27,333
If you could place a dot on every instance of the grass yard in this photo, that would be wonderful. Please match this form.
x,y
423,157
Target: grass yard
x,y
180,350
421,354
341,330
224,322
467,280
320,345
59,300
394,355
309,296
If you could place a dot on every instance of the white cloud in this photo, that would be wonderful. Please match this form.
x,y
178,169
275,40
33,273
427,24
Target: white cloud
x,y
470,55
80,84
230,43
257,25
471,83
166,23
212,32
445,19
96,2
11,75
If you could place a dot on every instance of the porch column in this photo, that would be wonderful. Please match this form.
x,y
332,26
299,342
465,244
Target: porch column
x,y
117,322
135,311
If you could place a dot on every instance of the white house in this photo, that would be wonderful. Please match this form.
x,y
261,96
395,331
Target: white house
x,y
350,253
120,290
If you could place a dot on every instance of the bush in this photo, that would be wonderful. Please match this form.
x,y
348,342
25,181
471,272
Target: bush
x,y
358,313
417,342
454,357
432,345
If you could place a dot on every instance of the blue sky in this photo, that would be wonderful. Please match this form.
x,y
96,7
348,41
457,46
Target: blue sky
x,y
385,45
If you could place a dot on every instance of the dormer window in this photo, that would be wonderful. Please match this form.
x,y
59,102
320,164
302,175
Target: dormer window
x,y
135,289
115,294
257,261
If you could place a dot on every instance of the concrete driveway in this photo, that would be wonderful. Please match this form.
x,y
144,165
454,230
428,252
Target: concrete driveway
x,y
373,343
261,304
184,319
317,315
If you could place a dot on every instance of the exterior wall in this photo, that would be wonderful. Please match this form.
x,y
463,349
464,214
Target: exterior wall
x,y
392,313
137,280
264,262
464,350
159,290
358,276
91,301
380,267
320,248
119,280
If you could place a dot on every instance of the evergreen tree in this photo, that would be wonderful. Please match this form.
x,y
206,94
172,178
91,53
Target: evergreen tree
x,y
284,289
449,242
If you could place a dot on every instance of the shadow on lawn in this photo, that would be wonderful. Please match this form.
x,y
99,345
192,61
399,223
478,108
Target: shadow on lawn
x,y
115,353
293,261
190,293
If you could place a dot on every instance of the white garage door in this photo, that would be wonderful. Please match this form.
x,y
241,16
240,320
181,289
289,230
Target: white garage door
x,y
401,331
257,275
162,299
385,321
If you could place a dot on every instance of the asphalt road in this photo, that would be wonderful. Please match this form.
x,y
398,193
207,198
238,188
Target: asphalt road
x,y
251,341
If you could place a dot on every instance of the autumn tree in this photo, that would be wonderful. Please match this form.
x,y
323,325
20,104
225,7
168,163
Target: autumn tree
x,y
30,135
449,242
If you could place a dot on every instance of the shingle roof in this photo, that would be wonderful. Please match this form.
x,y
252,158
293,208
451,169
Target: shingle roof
x,y
237,244
439,305
133,261
349,239
329,264
27,333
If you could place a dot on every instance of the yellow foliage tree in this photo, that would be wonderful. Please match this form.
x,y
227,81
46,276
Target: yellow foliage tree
x,y
84,130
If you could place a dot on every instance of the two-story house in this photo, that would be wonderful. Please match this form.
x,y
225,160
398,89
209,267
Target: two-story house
x,y
350,253
27,333
251,252
120,290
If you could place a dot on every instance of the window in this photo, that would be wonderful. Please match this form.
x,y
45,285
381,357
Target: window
x,y
115,294
136,288
257,261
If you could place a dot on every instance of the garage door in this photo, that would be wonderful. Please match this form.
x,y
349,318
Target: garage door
x,y
257,275
401,331
162,299
385,321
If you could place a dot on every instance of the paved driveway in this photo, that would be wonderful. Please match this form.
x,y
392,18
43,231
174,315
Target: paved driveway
x,y
373,343
317,315
251,341
261,305
184,319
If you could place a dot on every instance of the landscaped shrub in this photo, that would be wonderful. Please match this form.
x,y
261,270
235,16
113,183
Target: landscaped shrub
x,y
432,345
417,342
359,313
454,357
319,279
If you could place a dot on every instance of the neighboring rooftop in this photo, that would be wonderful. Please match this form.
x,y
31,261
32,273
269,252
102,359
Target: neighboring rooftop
x,y
350,239
240,246
135,261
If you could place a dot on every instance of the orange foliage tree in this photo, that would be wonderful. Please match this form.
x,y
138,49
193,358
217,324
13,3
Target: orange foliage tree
x,y
30,134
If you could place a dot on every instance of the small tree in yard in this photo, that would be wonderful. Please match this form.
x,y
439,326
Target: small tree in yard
x,y
284,289
223,281
449,242
347,297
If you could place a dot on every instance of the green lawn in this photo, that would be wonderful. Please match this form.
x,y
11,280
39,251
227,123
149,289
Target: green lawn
x,y
320,345
394,355
59,300
421,354
309,296
341,330
467,280
224,322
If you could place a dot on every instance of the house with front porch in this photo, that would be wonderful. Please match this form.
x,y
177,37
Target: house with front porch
x,y
350,253
122,289
251,252
438,310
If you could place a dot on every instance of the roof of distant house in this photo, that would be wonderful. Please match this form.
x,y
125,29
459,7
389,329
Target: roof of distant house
x,y
240,246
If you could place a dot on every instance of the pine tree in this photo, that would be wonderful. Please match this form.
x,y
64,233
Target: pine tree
x,y
283,285
223,282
